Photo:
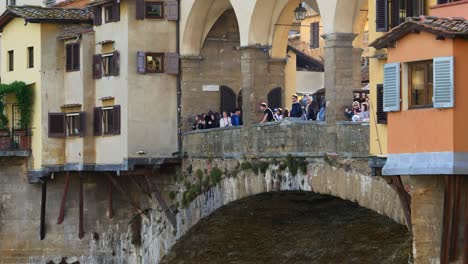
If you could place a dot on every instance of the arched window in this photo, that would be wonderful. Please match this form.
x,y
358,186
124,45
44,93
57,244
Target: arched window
x,y
274,98
228,99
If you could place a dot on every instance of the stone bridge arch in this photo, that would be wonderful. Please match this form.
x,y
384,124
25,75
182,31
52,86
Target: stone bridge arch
x,y
342,178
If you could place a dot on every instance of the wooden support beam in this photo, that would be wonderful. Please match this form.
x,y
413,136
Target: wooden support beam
x,y
127,197
64,199
110,212
404,197
42,231
447,221
465,240
456,217
162,203
80,223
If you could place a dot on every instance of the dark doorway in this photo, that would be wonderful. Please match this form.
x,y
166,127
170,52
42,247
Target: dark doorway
x,y
274,98
228,99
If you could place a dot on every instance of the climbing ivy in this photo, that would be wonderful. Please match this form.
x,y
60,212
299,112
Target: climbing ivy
x,y
24,99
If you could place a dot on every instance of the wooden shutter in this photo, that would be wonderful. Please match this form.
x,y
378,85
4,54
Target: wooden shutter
x,y
116,63
391,95
314,35
381,114
97,66
140,9
172,63
76,56
141,64
68,57
82,130
116,121
116,11
97,14
443,82
57,125
172,10
97,123
381,20
395,17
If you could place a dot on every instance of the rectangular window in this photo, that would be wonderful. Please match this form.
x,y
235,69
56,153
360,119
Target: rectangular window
x,y
72,57
108,64
112,12
391,13
11,60
107,120
154,10
381,115
73,124
30,57
421,84
154,62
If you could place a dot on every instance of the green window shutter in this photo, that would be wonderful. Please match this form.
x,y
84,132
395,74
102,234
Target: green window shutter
x,y
443,83
391,95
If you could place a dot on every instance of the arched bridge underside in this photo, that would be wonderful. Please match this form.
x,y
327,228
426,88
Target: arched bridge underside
x,y
293,227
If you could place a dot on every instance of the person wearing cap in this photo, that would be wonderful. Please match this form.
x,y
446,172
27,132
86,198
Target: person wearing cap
x,y
296,109
267,113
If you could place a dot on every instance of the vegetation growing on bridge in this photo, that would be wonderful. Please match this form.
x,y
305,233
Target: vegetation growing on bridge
x,y
203,180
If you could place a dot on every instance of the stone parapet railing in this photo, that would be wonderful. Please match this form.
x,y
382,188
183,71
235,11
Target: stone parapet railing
x,y
289,137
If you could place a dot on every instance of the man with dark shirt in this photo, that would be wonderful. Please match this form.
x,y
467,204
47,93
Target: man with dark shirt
x,y
296,110
267,113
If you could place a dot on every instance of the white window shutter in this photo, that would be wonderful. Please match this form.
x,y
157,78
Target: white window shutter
x,y
141,64
443,83
391,90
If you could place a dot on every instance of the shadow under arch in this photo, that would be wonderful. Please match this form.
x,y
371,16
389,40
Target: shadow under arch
x,y
293,227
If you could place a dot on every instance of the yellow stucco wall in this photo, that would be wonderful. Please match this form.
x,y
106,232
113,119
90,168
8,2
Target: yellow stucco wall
x,y
378,133
18,37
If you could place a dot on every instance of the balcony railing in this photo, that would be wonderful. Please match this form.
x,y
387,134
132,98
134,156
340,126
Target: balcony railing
x,y
15,140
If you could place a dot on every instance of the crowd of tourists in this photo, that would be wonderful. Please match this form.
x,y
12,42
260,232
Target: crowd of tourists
x,y
216,120
358,113
308,108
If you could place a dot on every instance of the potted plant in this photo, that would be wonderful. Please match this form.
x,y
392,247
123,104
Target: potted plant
x,y
5,140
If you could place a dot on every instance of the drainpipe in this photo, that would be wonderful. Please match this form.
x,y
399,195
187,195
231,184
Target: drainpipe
x,y
179,86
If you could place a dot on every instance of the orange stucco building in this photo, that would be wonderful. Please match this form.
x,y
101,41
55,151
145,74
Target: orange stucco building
x,y
426,97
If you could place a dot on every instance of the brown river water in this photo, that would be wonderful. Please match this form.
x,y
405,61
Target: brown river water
x,y
293,227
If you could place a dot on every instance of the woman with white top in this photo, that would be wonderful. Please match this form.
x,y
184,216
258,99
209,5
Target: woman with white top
x,y
225,121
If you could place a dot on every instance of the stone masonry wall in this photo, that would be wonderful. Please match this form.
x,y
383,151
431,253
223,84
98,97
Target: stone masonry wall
x,y
105,240
295,137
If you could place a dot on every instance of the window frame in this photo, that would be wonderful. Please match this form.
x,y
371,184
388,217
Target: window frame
x,y
74,63
109,58
428,64
110,18
154,54
11,60
106,121
147,3
314,35
30,61
76,131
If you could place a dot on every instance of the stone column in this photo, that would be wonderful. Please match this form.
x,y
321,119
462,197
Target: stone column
x,y
339,79
192,96
260,75
427,207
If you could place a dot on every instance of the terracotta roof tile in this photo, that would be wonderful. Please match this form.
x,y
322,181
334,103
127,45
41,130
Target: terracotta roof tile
x,y
37,13
443,27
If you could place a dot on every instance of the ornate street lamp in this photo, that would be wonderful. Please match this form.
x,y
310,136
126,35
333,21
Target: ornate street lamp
x,y
300,12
